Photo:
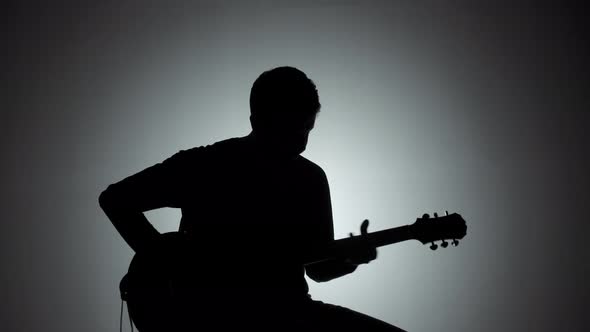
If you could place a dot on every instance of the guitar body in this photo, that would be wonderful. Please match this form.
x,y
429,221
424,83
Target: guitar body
x,y
162,285
172,288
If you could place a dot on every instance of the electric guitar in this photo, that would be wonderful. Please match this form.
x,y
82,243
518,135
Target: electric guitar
x,y
150,289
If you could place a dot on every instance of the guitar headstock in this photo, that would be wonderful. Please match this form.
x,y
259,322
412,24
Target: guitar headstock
x,y
428,229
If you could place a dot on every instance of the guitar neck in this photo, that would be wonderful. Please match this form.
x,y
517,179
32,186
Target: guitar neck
x,y
389,236
343,247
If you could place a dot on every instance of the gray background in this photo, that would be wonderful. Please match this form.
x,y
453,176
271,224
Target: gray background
x,y
478,109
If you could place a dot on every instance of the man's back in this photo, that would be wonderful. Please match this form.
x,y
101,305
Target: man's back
x,y
248,217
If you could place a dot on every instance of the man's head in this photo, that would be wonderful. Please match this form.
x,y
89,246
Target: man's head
x,y
283,105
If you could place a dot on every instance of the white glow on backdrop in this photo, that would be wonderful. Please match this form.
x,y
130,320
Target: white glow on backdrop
x,y
423,110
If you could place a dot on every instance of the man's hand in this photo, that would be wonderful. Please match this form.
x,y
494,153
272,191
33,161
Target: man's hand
x,y
366,253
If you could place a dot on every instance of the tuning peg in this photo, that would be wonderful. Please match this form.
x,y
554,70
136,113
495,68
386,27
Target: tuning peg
x,y
433,246
455,242
444,244
436,215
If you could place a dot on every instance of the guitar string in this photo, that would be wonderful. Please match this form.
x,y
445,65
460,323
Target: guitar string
x,y
121,318
129,314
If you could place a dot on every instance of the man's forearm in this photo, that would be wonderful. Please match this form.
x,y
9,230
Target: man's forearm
x,y
329,269
133,226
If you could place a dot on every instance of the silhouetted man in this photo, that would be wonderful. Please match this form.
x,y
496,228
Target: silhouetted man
x,y
251,205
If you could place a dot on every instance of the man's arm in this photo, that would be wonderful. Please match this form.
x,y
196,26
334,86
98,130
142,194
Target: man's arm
x,y
131,223
337,267
124,202
328,270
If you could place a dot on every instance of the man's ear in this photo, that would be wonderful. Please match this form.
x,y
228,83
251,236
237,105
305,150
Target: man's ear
x,y
253,122
258,123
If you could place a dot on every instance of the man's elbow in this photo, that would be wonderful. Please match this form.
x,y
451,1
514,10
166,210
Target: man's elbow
x,y
318,276
329,270
319,279
106,199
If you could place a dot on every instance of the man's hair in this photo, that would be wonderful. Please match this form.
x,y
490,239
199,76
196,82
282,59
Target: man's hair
x,y
284,91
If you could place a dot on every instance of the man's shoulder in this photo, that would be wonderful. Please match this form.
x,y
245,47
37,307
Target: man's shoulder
x,y
311,167
209,149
